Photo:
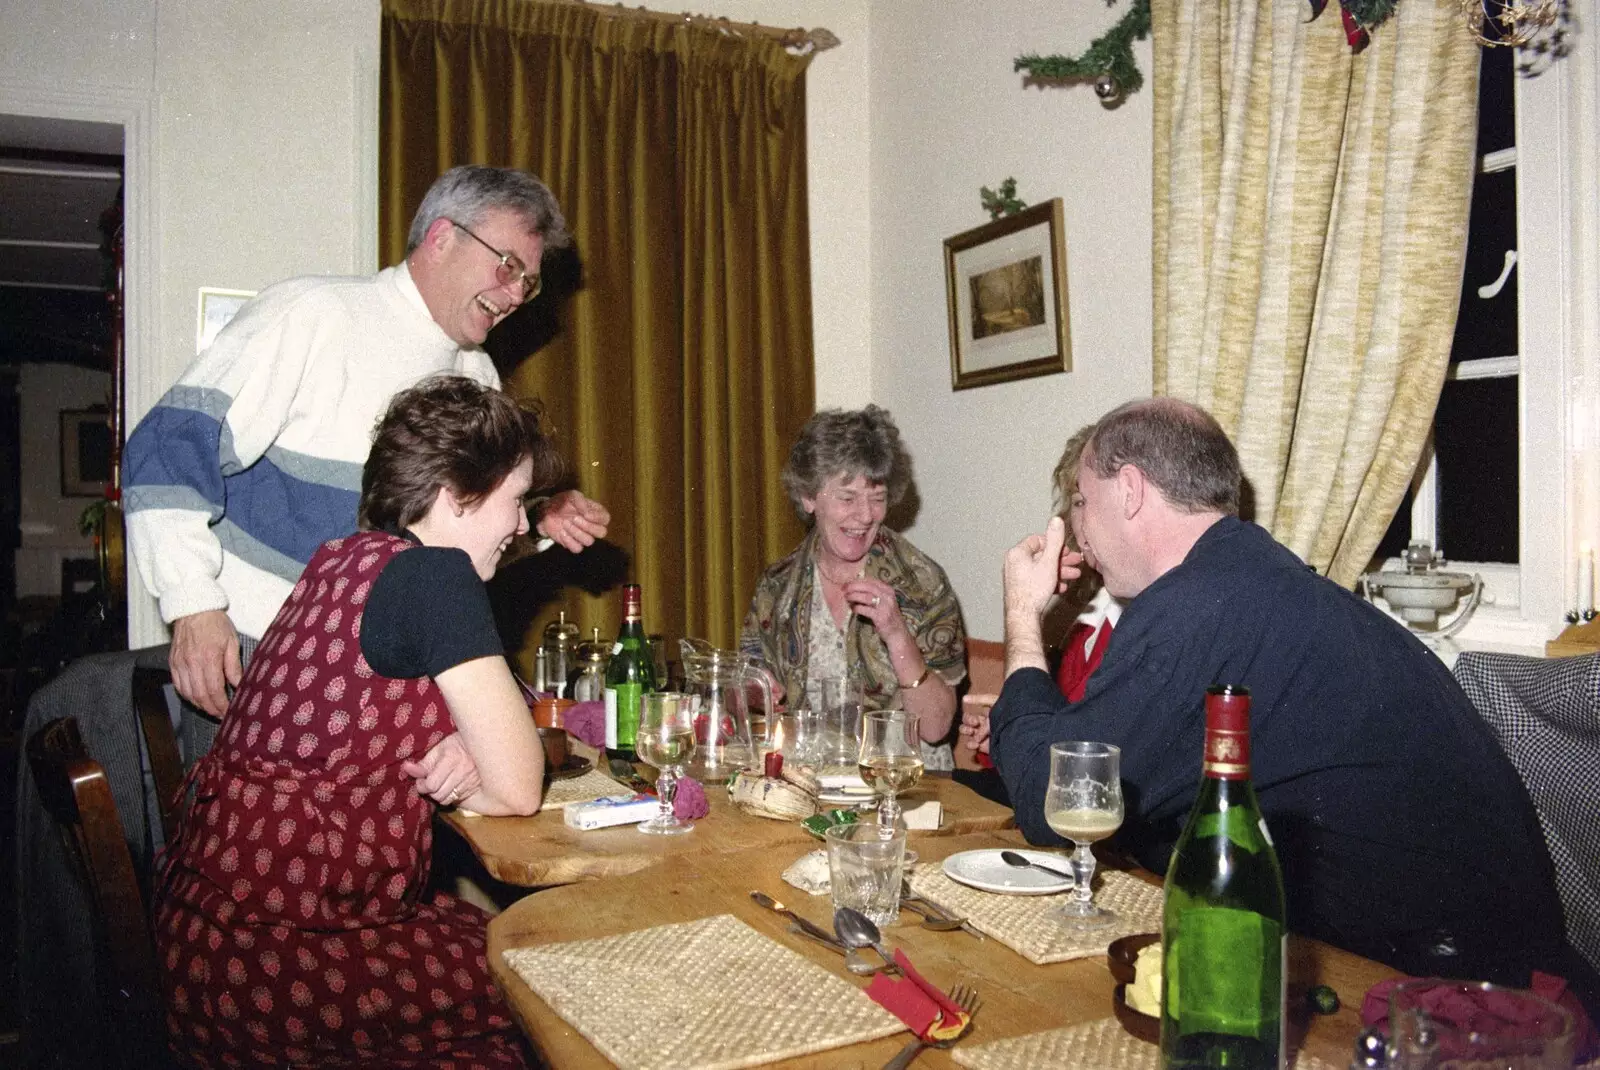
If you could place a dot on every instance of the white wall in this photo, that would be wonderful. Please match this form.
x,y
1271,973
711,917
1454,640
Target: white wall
x,y
908,118
49,521
251,149
949,116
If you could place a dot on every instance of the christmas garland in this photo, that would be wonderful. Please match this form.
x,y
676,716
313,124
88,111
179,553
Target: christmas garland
x,y
1108,61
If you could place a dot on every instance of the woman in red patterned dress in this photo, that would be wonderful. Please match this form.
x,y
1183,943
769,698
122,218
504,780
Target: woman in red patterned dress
x,y
1086,640
291,921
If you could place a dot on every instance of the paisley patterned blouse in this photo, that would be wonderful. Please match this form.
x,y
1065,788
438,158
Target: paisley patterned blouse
x,y
777,630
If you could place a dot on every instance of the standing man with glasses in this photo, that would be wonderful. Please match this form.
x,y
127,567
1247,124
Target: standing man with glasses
x,y
253,459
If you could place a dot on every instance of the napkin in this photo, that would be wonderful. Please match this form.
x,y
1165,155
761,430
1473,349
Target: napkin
x,y
587,721
925,1010
690,803
1375,1007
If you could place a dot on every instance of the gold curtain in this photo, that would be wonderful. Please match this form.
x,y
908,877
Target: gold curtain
x,y
1310,230
680,370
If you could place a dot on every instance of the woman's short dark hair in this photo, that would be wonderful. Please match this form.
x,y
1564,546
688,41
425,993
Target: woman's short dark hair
x,y
450,431
1179,447
847,443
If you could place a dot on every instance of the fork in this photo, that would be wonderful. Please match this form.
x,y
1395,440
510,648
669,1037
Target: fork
x,y
931,918
967,999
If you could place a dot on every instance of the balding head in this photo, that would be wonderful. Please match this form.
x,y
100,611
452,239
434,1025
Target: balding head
x,y
1181,449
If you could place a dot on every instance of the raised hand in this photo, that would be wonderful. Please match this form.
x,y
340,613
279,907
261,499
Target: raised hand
x,y
573,520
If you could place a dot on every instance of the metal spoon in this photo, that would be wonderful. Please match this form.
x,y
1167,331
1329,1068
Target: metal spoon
x,y
803,927
858,930
853,959
1011,858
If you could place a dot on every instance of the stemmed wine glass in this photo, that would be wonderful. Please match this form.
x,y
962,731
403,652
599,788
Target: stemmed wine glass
x,y
665,740
1084,803
890,761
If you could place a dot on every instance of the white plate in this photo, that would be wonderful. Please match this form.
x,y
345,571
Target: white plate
x,y
986,871
847,798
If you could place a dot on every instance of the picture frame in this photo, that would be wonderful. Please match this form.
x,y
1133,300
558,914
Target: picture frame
x,y
1006,287
217,307
85,452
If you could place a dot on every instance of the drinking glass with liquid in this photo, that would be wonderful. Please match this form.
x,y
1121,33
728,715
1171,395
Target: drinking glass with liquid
x,y
1083,803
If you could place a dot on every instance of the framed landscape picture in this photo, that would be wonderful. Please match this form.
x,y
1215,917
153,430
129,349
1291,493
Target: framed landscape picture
x,y
217,307
85,452
1006,285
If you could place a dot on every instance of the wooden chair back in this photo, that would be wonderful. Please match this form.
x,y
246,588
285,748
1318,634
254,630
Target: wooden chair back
x,y
161,743
75,792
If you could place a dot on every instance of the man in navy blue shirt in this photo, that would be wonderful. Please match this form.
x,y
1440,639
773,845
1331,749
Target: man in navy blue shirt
x,y
1404,833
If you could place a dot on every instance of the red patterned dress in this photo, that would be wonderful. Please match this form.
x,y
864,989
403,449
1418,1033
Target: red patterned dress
x,y
291,926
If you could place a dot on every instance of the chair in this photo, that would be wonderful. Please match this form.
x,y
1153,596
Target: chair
x,y
1546,714
75,792
161,745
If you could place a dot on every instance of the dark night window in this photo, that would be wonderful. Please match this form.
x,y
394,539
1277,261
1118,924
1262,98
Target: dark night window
x,y
1467,485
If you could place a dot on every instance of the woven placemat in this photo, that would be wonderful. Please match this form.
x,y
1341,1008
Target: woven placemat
x,y
1100,1045
1024,922
708,994
586,788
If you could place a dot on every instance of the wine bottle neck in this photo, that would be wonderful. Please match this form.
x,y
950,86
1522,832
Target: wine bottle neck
x,y
1227,755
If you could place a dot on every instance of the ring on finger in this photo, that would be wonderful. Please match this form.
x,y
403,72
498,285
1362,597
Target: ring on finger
x,y
876,599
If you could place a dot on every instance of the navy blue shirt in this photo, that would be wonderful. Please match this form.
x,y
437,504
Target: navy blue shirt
x,y
1404,833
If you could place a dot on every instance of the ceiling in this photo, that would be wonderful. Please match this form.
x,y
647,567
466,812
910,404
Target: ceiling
x,y
58,177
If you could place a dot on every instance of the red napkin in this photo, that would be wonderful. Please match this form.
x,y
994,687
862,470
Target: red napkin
x,y
587,721
689,802
1461,1008
925,1010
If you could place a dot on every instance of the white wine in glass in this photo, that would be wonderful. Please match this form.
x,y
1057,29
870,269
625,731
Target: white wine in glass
x,y
1083,825
665,740
894,772
890,760
1083,803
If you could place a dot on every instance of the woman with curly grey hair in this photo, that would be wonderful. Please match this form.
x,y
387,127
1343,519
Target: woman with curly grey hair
x,y
856,598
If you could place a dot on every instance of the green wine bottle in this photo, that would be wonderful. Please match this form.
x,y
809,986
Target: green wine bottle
x,y
1222,927
629,675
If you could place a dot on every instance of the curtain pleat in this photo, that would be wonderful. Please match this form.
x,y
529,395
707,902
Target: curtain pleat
x,y
678,369
1310,211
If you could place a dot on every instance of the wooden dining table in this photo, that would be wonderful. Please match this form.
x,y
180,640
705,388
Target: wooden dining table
x,y
1018,996
541,851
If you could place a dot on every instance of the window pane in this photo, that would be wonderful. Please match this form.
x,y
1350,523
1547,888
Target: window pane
x,y
1487,326
1497,128
1475,432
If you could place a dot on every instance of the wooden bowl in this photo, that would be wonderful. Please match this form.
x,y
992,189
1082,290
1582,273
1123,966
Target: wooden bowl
x,y
1121,954
1120,957
1144,1026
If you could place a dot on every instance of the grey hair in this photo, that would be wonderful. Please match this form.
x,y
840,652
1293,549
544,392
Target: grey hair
x,y
847,443
1180,448
467,193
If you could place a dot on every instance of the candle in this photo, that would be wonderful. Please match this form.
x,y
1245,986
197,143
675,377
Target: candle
x,y
1585,579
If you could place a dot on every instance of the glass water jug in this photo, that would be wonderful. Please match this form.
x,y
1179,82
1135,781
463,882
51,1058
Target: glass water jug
x,y
716,682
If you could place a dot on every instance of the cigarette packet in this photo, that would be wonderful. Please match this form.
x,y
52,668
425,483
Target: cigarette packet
x,y
611,810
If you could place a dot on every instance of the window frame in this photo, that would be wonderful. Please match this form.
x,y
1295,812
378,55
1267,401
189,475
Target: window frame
x,y
1558,312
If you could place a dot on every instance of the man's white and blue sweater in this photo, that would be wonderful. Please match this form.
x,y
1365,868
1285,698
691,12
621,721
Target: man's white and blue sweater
x,y
253,459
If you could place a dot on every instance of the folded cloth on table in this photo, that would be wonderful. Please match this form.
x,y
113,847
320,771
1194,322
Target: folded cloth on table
x,y
587,721
690,803
925,1010
1375,1008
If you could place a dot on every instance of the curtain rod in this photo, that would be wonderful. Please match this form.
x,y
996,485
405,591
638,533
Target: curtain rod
x,y
796,40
